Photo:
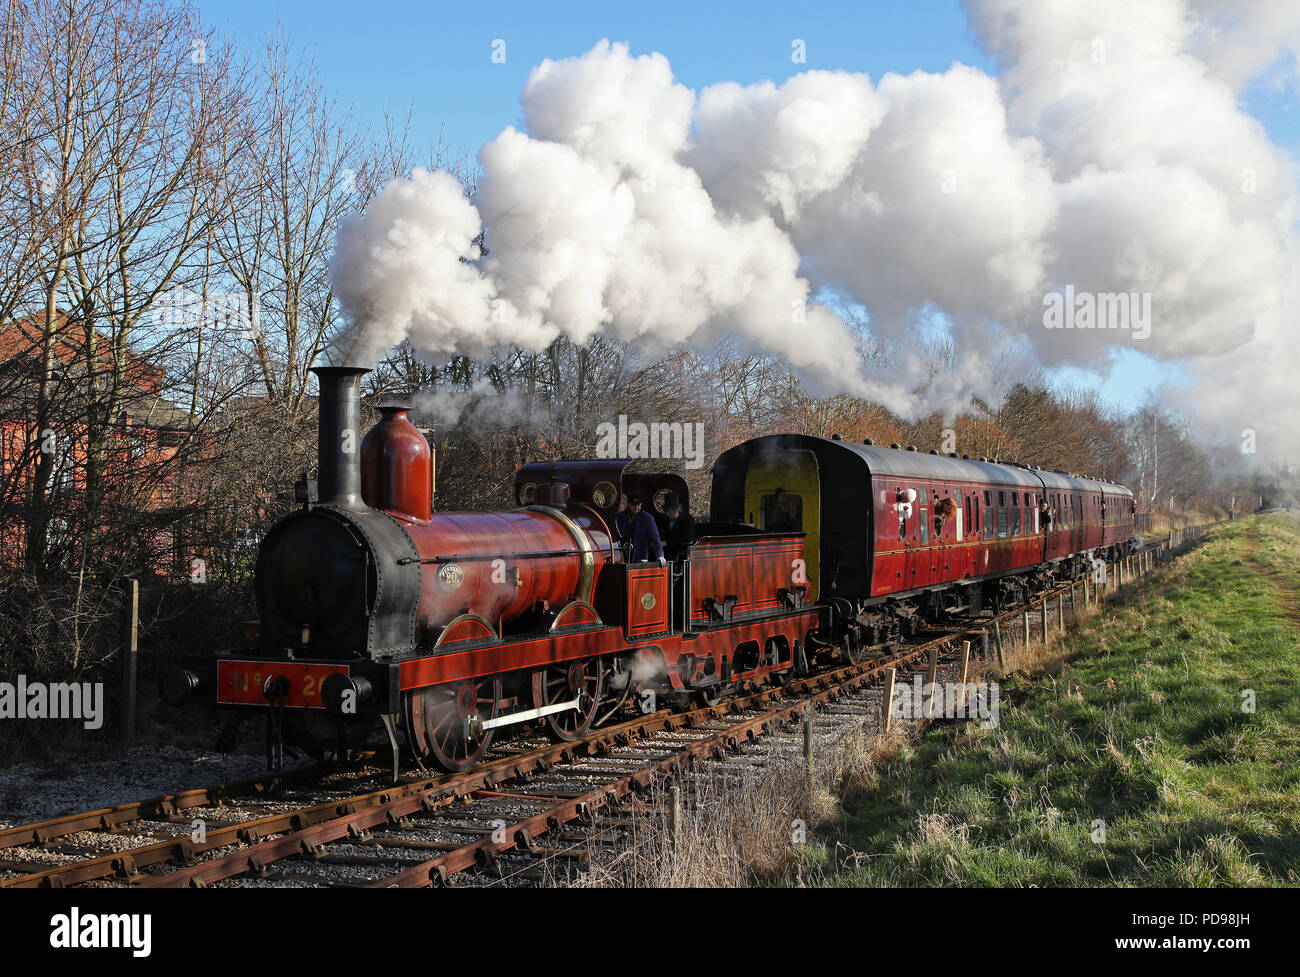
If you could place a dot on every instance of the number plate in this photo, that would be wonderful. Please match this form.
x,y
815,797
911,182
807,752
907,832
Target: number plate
x,y
240,683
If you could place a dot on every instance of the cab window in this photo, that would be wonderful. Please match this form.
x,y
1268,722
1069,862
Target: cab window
x,y
782,512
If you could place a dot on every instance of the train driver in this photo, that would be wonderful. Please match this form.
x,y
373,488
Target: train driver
x,y
638,533
676,528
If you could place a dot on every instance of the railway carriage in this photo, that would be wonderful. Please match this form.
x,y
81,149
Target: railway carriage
x,y
453,626
894,536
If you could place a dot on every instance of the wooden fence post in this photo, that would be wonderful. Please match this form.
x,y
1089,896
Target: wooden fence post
x,y
997,641
888,705
130,657
808,746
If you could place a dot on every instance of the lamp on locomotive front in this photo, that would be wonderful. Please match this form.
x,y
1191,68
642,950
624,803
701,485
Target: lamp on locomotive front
x,y
397,466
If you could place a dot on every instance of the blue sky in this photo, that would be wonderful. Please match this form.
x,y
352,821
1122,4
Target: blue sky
x,y
438,55
437,58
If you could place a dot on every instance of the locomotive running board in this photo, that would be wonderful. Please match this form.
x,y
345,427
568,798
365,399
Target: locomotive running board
x,y
527,714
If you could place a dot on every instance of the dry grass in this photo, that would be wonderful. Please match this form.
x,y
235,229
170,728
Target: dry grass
x,y
742,823
1162,520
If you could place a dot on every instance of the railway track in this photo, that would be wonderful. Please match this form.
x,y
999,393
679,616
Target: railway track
x,y
611,764
503,819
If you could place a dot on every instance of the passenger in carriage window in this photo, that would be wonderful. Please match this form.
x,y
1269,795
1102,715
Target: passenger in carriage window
x,y
903,507
944,510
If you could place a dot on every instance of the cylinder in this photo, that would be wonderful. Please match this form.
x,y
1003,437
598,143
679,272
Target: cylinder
x,y
397,466
339,435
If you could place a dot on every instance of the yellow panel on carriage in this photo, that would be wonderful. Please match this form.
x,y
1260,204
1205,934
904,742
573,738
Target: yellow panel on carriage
x,y
783,495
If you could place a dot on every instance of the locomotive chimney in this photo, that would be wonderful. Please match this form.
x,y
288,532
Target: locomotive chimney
x,y
339,435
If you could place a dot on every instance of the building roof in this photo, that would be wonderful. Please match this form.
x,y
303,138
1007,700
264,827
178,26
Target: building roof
x,y
21,343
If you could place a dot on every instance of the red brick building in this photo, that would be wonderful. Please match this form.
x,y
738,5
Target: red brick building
x,y
121,409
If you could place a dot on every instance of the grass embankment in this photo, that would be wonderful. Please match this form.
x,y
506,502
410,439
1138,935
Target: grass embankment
x,y
1134,723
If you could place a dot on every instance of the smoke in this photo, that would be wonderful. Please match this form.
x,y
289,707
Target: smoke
x,y
1109,155
479,405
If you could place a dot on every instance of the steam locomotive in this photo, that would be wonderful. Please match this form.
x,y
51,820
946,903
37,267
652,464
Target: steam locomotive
x,y
451,626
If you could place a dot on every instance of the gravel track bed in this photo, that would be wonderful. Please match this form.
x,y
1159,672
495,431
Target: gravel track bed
x,y
37,792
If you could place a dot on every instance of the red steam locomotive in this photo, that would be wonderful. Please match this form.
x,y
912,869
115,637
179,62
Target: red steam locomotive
x,y
453,626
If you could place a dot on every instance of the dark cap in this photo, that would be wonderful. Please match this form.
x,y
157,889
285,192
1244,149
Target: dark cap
x,y
634,497
672,501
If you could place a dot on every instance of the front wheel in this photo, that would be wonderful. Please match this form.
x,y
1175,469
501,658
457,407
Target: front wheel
x,y
445,722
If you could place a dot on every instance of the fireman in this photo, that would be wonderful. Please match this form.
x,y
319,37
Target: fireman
x,y
638,533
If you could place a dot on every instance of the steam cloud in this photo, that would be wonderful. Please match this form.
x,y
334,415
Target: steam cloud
x,y
1109,154
480,405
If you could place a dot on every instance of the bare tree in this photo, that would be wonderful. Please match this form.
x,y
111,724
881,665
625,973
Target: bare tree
x,y
309,166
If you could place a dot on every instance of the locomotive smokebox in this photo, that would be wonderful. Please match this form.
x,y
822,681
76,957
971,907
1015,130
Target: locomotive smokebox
x,y
339,435
397,466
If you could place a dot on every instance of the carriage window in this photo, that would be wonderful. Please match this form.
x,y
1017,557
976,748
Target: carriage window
x,y
1002,522
923,499
988,498
782,513
1015,521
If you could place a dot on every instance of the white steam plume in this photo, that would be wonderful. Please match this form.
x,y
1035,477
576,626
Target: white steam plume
x,y
1110,154
481,404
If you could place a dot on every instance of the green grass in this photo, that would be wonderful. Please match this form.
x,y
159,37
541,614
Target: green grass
x,y
1139,724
